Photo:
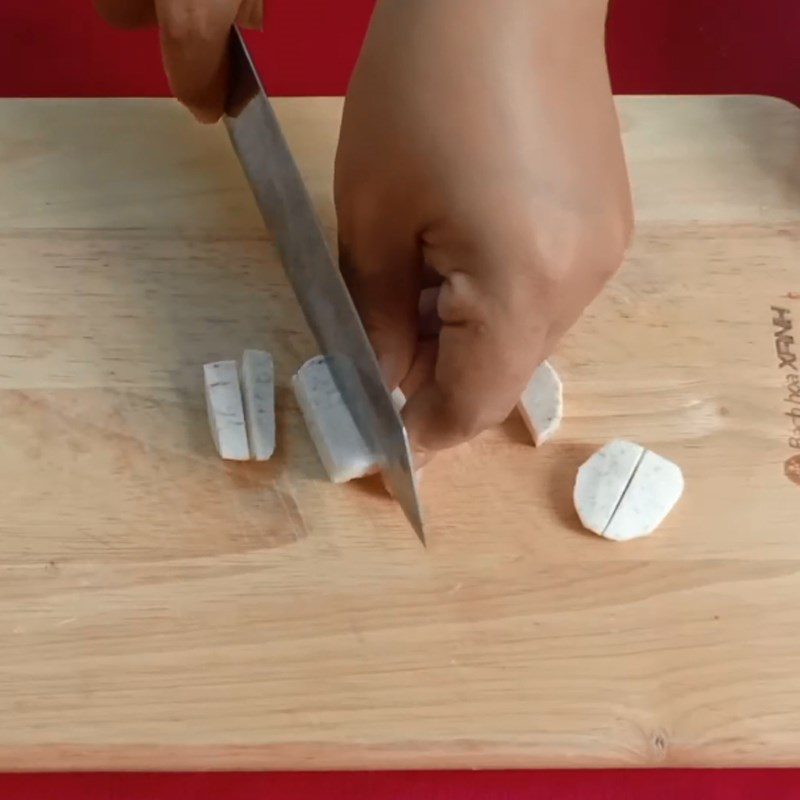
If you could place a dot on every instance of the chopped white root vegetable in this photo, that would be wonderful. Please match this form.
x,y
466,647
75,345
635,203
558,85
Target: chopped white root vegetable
x,y
624,491
602,481
258,393
398,399
655,488
341,447
225,412
542,403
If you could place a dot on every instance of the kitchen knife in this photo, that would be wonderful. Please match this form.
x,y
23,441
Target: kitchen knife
x,y
288,211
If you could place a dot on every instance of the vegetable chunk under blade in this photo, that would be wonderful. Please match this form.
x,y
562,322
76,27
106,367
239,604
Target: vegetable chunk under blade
x,y
341,447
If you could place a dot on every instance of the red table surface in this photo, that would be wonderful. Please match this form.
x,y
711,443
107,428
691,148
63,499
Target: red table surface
x,y
59,48
555,785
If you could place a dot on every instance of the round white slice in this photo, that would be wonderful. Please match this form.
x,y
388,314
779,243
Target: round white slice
x,y
624,491
542,403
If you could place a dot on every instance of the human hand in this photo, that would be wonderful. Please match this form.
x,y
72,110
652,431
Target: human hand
x,y
194,43
479,151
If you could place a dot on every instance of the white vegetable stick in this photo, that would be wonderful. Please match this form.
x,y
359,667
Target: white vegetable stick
x,y
225,413
602,481
342,450
258,393
655,488
542,403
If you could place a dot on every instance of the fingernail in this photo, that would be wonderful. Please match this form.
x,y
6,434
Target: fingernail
x,y
208,116
421,458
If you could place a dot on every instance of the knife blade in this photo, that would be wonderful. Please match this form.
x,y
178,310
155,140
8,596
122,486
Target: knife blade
x,y
287,210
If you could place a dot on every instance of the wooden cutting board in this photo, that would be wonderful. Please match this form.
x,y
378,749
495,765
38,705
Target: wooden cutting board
x,y
162,609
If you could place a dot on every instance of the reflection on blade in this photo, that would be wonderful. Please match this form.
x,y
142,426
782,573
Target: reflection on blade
x,y
286,207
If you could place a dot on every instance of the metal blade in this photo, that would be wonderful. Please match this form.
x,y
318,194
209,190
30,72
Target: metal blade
x,y
286,207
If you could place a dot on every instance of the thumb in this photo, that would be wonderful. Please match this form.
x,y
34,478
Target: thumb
x,y
491,340
383,279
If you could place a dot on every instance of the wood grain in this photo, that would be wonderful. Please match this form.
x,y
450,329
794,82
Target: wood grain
x,y
162,609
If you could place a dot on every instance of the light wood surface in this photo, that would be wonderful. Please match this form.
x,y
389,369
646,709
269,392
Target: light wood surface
x,y
162,609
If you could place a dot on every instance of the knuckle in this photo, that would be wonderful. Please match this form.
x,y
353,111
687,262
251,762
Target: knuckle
x,y
459,423
465,415
617,232
183,23
581,244
612,243
350,201
545,257
626,224
464,422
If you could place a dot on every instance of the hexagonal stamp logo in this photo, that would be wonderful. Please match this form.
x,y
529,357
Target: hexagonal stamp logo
x,y
792,469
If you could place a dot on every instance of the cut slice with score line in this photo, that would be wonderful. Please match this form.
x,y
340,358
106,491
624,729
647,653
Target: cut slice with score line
x,y
225,410
258,395
624,491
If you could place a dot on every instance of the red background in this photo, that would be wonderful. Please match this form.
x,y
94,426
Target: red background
x,y
556,785
59,48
